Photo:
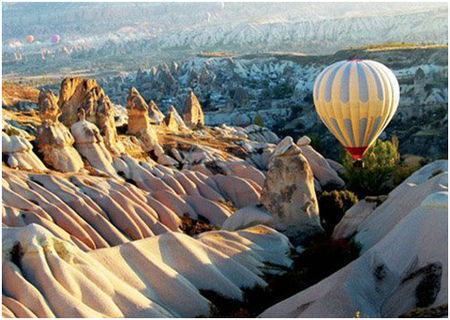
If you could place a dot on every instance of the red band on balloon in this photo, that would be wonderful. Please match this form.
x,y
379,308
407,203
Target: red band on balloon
x,y
357,152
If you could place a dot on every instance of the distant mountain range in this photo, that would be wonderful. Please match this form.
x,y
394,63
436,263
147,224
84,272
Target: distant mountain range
x,y
239,27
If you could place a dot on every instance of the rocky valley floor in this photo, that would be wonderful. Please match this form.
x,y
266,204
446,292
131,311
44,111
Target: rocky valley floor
x,y
133,212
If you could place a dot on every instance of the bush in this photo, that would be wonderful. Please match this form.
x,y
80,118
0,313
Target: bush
x,y
258,120
403,171
282,90
332,207
379,164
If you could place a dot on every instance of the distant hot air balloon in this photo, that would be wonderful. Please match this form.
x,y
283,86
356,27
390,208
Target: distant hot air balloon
x,y
55,38
30,38
356,99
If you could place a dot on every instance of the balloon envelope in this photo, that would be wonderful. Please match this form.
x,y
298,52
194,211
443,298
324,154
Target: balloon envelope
x,y
55,38
356,99
30,38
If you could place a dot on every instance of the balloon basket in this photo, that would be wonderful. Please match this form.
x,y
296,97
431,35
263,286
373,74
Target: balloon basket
x,y
358,164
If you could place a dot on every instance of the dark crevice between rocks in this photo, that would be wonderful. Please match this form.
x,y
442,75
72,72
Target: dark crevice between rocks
x,y
214,168
322,256
193,227
17,254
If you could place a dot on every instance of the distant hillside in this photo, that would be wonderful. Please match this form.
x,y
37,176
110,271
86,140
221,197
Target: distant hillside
x,y
122,36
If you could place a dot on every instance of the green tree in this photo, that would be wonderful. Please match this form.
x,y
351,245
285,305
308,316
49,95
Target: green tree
x,y
375,178
258,120
332,207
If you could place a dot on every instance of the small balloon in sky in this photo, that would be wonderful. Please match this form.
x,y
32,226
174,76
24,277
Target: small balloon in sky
x,y
55,38
29,38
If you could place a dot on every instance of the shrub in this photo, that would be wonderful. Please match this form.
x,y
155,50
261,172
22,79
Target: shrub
x,y
379,164
193,227
282,90
332,207
403,171
258,120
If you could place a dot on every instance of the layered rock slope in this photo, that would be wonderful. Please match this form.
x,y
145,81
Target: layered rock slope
x,y
46,276
404,262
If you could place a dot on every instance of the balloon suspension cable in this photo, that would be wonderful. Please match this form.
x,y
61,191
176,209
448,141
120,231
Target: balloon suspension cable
x,y
359,163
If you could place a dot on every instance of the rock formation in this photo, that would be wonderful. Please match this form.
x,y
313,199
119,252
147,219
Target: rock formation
x,y
53,139
404,259
156,116
139,124
400,201
137,109
321,168
174,122
89,143
192,111
47,276
20,153
76,93
288,192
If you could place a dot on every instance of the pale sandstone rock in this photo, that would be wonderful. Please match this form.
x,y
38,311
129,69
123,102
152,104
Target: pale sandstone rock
x,y
174,122
288,192
139,121
155,115
53,139
20,153
339,168
405,269
93,212
236,190
247,217
322,170
192,111
86,94
143,278
210,210
89,142
406,197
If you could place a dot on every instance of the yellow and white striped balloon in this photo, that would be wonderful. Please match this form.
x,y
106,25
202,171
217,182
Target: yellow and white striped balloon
x,y
356,99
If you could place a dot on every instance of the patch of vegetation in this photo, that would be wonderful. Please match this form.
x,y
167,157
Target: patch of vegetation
x,y
282,90
192,226
375,178
403,171
321,257
433,312
10,131
401,45
259,120
332,207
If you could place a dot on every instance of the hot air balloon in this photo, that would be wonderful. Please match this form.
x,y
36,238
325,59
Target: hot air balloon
x,y
55,38
356,99
30,38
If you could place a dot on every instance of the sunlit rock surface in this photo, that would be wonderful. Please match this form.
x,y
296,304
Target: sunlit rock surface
x,y
20,153
46,276
288,192
53,138
404,256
